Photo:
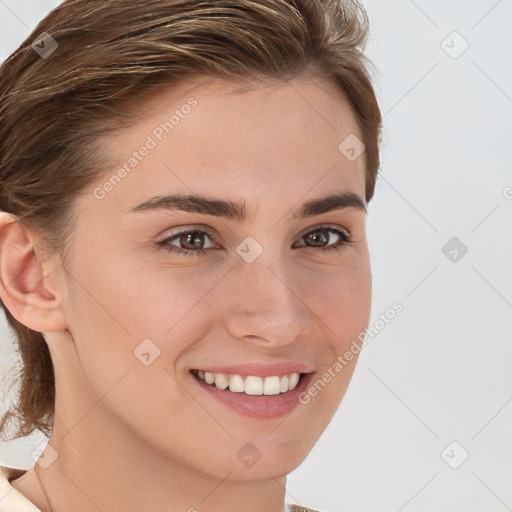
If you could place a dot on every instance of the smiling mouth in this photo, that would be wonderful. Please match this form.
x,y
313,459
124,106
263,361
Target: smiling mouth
x,y
250,384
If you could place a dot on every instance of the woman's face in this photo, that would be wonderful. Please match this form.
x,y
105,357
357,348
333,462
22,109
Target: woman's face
x,y
259,285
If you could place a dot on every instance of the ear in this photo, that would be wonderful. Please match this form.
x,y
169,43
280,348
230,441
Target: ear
x,y
24,289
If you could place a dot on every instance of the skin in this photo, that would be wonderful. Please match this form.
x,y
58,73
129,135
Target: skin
x,y
133,437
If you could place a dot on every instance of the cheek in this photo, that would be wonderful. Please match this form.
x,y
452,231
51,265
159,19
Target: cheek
x,y
118,309
341,299
128,330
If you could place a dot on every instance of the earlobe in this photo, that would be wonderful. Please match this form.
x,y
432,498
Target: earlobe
x,y
22,280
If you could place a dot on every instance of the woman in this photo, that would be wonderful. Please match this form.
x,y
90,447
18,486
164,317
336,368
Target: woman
x,y
183,256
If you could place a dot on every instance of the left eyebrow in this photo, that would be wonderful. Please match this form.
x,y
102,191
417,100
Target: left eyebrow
x,y
330,203
236,210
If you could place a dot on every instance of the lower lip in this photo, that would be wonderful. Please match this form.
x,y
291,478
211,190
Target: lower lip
x,y
258,406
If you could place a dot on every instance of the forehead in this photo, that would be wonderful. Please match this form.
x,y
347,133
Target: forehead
x,y
209,134
310,100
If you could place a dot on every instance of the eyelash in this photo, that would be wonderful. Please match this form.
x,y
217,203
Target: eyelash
x,y
345,237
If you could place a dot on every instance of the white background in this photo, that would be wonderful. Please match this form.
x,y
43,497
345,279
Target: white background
x,y
440,371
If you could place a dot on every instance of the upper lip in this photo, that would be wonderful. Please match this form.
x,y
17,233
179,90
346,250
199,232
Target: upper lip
x,y
260,369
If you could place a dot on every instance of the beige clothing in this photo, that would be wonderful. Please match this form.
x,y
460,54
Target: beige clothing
x,y
11,500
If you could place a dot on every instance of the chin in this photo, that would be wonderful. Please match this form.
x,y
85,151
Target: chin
x,y
266,458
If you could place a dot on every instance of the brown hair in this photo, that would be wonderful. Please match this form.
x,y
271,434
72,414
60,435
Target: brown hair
x,y
54,110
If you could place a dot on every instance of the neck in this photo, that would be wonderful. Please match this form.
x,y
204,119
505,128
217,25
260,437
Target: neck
x,y
108,471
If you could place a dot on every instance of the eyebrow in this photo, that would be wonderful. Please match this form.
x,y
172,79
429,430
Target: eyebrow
x,y
236,210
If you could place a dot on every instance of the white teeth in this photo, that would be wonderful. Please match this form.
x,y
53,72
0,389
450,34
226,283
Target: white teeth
x,y
221,381
272,386
251,385
284,383
293,380
236,384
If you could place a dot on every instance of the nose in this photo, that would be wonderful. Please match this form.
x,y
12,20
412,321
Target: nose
x,y
265,304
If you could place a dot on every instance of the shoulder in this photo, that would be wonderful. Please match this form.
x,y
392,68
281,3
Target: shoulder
x,y
298,508
11,500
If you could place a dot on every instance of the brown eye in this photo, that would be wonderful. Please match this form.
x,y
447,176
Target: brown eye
x,y
319,238
190,242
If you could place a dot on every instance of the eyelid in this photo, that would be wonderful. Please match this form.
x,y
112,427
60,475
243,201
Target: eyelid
x,y
188,228
326,226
